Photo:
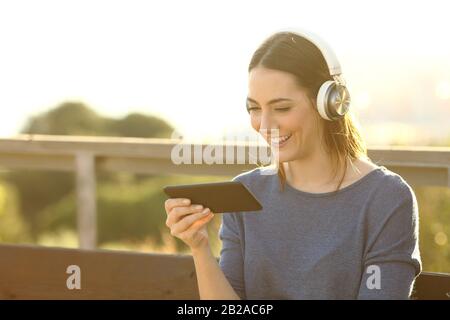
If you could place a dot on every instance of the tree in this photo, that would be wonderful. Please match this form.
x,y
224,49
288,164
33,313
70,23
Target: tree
x,y
40,189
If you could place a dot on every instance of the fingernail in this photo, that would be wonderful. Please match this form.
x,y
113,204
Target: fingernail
x,y
186,201
205,211
198,207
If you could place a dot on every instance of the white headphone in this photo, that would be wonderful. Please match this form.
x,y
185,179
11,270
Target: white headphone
x,y
333,98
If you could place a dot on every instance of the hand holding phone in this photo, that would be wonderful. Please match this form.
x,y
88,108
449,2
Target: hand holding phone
x,y
188,222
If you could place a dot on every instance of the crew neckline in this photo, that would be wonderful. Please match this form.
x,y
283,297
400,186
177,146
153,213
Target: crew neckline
x,y
333,193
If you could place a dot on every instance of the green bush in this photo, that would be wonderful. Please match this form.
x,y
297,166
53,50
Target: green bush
x,y
434,227
127,211
13,228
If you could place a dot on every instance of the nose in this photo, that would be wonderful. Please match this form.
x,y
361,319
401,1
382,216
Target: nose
x,y
268,127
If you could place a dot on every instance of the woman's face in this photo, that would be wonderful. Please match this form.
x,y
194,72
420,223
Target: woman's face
x,y
275,101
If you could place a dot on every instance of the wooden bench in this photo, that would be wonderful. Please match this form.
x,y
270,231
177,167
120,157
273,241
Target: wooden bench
x,y
35,272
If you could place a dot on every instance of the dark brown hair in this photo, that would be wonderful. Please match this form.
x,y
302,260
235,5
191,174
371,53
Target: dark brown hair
x,y
289,52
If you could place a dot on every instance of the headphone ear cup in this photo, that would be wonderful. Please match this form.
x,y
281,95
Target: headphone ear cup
x,y
322,99
333,101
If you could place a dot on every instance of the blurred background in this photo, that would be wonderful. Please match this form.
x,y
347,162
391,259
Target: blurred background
x,y
144,69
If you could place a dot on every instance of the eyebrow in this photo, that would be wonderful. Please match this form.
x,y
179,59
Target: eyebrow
x,y
270,102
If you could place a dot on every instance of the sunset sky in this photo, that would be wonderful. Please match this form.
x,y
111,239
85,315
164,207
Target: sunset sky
x,y
186,61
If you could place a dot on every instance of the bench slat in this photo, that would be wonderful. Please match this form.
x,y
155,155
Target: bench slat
x,y
33,272
36,272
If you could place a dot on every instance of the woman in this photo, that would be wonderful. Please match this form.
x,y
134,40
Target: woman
x,y
334,224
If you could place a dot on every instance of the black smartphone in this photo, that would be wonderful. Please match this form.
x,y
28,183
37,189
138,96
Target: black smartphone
x,y
219,197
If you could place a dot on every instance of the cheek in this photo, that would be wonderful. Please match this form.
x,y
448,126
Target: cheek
x,y
293,123
307,133
300,124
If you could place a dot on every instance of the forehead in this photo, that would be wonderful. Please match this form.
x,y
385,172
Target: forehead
x,y
268,83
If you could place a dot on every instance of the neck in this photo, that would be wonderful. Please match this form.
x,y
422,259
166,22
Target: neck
x,y
313,172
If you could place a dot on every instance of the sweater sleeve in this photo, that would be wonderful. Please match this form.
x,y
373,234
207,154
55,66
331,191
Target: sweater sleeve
x,y
231,256
392,260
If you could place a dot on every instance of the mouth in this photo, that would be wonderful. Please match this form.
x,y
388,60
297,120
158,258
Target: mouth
x,y
280,141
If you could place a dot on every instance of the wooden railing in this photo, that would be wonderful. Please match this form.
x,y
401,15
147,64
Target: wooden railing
x,y
86,155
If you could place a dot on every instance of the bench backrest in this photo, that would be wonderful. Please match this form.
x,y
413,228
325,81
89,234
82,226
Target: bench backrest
x,y
35,272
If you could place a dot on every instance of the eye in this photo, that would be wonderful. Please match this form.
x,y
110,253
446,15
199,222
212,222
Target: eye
x,y
249,109
283,109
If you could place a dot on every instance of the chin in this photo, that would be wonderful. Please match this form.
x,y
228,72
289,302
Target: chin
x,y
294,152
284,156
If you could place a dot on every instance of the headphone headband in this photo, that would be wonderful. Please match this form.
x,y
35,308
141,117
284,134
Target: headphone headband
x,y
333,98
330,57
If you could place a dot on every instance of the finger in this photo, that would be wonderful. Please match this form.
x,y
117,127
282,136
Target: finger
x,y
175,202
177,213
169,204
186,222
196,226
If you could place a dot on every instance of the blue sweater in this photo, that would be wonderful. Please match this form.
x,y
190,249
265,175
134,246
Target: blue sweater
x,y
361,243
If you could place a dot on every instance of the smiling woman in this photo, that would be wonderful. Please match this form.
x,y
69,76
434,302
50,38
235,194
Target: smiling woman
x,y
337,226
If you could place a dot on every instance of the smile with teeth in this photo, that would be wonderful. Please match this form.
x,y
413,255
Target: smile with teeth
x,y
280,140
